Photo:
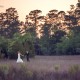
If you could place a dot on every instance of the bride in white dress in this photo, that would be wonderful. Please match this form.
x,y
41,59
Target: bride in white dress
x,y
19,60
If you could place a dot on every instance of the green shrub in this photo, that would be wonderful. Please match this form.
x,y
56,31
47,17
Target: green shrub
x,y
56,67
74,69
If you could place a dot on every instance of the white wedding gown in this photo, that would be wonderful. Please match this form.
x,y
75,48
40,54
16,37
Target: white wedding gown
x,y
19,60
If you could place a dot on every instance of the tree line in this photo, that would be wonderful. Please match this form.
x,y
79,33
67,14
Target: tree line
x,y
57,33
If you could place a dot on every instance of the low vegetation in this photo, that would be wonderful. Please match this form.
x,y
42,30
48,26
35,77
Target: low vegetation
x,y
21,72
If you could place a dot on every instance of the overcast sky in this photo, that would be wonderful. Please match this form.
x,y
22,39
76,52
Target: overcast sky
x,y
25,6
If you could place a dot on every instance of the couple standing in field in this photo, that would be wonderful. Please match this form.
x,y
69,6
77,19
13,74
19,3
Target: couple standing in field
x,y
19,60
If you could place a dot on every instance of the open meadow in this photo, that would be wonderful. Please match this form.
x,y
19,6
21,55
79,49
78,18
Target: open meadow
x,y
47,63
42,68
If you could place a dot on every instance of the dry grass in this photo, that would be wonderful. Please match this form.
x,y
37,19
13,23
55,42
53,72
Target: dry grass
x,y
47,63
42,68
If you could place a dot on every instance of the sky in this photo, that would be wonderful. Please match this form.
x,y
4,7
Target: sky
x,y
25,6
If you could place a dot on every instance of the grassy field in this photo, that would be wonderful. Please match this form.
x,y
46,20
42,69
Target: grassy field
x,y
42,68
47,63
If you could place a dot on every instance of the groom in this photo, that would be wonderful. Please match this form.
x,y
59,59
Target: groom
x,y
27,55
